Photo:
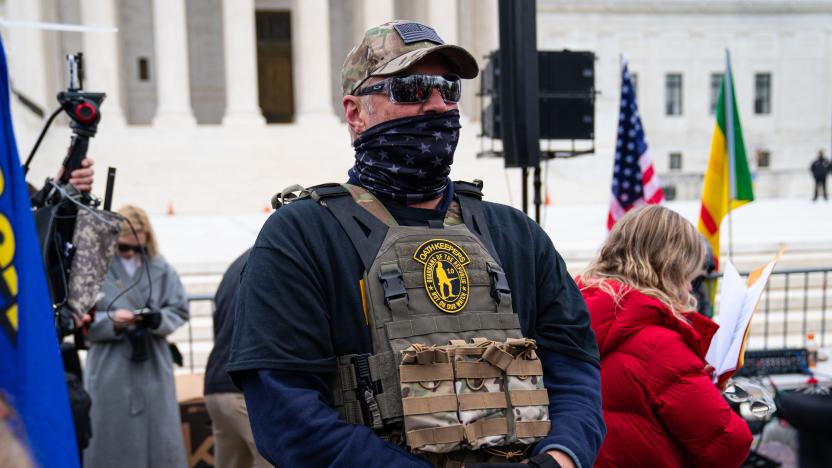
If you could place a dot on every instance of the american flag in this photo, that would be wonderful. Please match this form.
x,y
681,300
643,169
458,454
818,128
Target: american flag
x,y
634,182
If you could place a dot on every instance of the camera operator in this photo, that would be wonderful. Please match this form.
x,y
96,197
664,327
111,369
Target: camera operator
x,y
129,369
80,403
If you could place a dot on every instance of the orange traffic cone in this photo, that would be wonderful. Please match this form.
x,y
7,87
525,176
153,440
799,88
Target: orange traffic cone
x,y
548,201
170,208
266,208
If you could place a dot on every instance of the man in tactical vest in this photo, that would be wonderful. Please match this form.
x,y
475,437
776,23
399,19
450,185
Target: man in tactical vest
x,y
398,319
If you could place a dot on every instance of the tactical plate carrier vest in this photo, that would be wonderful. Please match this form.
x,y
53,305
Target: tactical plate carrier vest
x,y
450,369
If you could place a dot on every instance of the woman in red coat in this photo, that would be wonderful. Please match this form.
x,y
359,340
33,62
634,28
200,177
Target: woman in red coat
x,y
660,405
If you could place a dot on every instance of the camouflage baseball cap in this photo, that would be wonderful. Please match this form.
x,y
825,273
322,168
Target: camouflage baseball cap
x,y
393,47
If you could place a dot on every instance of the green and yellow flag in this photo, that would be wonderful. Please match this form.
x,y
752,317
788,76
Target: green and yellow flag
x,y
727,179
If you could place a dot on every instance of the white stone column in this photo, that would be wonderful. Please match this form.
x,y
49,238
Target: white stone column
x,y
443,17
311,61
377,12
102,62
172,78
26,55
480,34
242,106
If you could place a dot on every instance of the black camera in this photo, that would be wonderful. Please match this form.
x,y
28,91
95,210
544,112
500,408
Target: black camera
x,y
149,318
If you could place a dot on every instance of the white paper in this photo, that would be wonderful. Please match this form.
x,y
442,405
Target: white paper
x,y
736,306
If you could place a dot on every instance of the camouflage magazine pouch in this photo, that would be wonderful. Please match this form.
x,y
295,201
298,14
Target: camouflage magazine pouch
x,y
527,394
428,400
473,395
480,390
95,238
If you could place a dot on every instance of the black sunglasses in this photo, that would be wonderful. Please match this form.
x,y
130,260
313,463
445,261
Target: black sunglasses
x,y
413,89
124,248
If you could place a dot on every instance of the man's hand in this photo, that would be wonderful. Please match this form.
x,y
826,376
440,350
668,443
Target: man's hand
x,y
81,178
82,320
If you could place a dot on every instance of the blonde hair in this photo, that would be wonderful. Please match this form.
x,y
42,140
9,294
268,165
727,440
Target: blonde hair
x,y
654,250
14,453
141,223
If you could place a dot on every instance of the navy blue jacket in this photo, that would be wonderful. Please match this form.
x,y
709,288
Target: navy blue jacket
x,y
299,307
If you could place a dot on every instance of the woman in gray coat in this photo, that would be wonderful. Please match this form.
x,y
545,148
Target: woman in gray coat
x,y
129,370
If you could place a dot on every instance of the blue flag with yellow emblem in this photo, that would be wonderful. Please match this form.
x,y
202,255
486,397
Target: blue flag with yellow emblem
x,y
31,372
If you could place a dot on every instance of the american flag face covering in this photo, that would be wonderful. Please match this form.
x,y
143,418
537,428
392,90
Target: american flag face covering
x,y
407,160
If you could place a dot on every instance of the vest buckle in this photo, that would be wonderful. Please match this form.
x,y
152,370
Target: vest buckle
x,y
499,283
391,278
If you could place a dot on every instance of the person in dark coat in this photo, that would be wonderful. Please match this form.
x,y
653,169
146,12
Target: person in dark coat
x,y
660,404
702,286
233,441
820,170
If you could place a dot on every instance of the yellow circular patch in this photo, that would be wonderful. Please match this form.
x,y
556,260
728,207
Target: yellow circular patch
x,y
446,280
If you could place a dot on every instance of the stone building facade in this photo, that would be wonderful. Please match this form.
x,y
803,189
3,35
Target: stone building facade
x,y
213,105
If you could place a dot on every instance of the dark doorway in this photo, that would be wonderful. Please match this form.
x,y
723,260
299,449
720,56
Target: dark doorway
x,y
274,65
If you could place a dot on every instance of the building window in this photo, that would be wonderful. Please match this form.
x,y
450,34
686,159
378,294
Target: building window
x,y
716,86
634,81
673,94
675,161
144,69
763,158
762,93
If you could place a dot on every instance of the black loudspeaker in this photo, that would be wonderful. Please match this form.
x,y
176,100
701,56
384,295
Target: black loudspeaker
x,y
517,83
567,118
489,86
566,96
490,80
491,121
566,72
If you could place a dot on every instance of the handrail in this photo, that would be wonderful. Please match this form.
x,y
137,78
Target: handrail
x,y
791,303
784,271
195,298
796,297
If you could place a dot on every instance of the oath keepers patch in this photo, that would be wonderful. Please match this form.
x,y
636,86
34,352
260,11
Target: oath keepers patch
x,y
446,280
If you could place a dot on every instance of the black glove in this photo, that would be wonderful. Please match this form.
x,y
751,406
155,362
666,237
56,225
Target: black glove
x,y
494,465
544,460
151,320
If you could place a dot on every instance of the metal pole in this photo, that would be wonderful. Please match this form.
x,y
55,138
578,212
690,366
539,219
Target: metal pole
x,y
730,234
191,345
786,310
537,201
729,123
525,189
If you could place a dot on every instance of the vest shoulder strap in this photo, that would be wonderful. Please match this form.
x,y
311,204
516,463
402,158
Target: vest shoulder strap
x,y
469,196
473,189
363,198
363,218
366,221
